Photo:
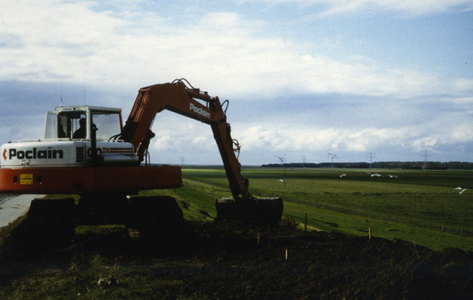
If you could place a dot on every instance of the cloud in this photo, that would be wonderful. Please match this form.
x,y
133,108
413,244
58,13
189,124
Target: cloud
x,y
72,42
317,139
412,7
350,103
463,86
461,134
162,142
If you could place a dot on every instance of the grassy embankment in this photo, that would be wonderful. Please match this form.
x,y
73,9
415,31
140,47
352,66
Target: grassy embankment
x,y
418,206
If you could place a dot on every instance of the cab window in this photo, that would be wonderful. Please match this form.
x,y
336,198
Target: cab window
x,y
108,125
69,125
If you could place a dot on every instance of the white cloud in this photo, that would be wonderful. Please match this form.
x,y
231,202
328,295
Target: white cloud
x,y
318,139
72,42
463,86
232,56
412,7
162,142
175,132
314,138
461,133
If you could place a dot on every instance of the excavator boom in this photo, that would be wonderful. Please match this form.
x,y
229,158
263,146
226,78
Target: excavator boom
x,y
181,99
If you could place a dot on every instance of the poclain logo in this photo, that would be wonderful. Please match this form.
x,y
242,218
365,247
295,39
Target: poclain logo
x,y
199,111
33,154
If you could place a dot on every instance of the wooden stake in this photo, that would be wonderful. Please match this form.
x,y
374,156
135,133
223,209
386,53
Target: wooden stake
x,y
305,222
286,254
258,237
369,233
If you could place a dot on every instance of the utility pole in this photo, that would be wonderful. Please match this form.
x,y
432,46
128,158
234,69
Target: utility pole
x,y
425,159
332,156
371,160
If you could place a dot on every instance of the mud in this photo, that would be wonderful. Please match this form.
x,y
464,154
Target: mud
x,y
218,260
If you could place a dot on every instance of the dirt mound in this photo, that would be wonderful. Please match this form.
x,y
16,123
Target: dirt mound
x,y
216,260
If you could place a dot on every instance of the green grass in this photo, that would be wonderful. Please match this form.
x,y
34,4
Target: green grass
x,y
194,198
90,276
356,225
420,206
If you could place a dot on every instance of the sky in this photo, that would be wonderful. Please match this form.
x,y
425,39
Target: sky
x,y
363,80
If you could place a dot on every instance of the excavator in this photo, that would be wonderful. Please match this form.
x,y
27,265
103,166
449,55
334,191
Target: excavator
x,y
87,151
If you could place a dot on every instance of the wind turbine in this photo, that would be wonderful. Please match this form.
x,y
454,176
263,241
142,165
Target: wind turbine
x,y
332,156
281,159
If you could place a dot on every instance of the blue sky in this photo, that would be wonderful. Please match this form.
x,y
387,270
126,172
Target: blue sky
x,y
390,79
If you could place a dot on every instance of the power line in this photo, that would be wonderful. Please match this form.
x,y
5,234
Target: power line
x,y
425,159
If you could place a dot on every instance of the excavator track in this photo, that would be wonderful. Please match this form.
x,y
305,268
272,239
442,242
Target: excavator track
x,y
51,219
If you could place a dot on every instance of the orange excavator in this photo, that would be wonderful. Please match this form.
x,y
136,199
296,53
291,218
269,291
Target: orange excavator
x,y
87,151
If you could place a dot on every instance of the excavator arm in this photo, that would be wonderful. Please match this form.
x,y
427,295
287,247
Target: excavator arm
x,y
180,97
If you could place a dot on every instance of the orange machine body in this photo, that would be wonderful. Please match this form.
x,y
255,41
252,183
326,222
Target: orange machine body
x,y
86,180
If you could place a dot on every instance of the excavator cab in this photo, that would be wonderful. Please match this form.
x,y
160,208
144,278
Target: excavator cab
x,y
77,123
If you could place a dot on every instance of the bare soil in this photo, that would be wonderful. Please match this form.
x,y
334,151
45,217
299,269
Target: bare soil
x,y
217,260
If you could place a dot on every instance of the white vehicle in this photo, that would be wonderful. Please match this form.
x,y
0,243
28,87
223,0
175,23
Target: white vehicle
x,y
68,144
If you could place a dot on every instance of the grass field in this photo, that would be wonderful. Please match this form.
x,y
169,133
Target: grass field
x,y
419,206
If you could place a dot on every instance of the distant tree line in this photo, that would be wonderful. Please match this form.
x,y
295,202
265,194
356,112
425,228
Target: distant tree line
x,y
434,165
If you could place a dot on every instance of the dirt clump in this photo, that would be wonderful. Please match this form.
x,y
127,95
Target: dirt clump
x,y
219,260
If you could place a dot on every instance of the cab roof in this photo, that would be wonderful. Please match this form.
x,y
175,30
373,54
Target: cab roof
x,y
99,109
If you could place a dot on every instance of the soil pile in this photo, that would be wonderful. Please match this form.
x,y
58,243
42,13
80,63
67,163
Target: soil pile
x,y
217,260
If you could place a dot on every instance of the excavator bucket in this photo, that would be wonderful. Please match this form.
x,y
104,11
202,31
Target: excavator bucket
x,y
266,210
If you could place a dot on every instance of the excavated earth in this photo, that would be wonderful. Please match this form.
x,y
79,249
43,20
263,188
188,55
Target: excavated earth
x,y
217,260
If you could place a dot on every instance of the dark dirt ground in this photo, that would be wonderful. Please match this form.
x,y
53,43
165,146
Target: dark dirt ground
x,y
216,260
